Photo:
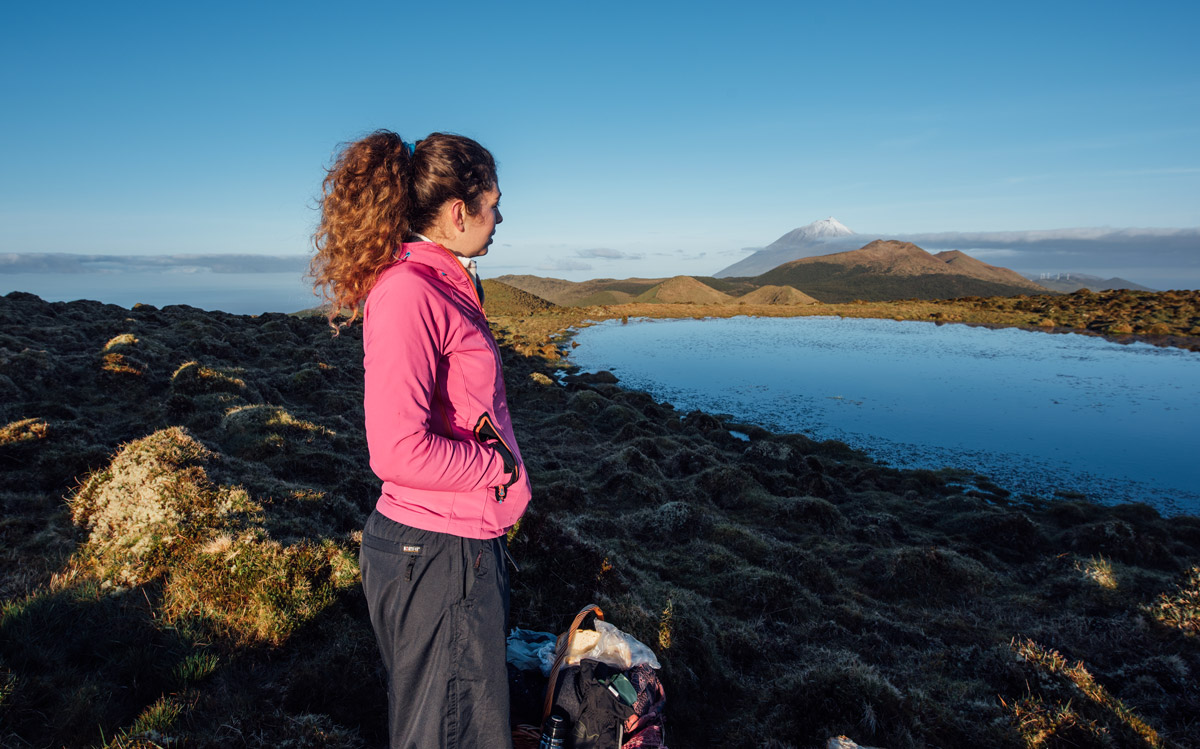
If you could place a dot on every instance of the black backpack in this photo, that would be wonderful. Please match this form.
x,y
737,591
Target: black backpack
x,y
607,708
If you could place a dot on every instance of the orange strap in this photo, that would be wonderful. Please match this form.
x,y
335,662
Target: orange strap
x,y
560,654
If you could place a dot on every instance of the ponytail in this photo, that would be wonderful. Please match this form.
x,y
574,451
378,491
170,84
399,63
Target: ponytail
x,y
378,192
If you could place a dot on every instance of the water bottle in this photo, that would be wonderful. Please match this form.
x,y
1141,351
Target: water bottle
x,y
554,732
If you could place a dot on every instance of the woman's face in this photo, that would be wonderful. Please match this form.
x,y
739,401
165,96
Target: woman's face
x,y
481,226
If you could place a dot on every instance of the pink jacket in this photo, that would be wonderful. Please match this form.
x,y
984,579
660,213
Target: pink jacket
x,y
438,427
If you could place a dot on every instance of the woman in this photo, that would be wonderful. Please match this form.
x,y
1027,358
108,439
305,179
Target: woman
x,y
399,227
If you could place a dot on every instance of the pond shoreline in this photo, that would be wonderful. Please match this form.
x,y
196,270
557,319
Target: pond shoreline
x,y
941,408
1169,319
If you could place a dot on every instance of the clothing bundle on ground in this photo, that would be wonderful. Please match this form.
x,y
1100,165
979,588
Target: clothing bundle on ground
x,y
602,681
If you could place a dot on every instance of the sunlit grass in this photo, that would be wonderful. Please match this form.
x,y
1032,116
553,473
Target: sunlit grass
x,y
1100,571
24,430
1181,609
1040,720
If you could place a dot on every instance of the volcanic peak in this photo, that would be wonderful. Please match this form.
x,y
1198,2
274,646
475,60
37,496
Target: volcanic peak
x,y
823,229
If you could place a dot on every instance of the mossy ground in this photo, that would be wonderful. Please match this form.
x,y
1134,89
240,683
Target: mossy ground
x,y
180,527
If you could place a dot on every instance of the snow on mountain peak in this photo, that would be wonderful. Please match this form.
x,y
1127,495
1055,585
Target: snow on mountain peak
x,y
829,227
823,229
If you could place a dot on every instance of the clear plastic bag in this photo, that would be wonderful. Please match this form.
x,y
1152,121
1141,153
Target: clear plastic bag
x,y
612,647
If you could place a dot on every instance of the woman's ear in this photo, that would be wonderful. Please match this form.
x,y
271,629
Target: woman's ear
x,y
458,214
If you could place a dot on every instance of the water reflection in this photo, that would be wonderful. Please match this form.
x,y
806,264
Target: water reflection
x,y
1038,412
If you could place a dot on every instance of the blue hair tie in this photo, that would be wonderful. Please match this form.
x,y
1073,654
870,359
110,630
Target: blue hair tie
x,y
412,147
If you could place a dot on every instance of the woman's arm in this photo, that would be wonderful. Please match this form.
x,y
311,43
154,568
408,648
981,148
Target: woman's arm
x,y
404,332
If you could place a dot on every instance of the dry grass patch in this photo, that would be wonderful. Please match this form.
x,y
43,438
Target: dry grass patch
x,y
1180,610
1097,719
24,430
254,590
193,378
1100,571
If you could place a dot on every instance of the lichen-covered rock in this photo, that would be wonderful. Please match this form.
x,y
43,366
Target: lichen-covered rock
x,y
768,454
154,496
680,520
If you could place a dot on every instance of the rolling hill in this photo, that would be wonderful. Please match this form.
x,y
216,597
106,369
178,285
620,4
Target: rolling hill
x,y
883,270
776,295
960,262
887,270
683,290
503,299
581,293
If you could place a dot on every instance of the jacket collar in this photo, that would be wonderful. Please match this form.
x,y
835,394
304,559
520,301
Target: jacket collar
x,y
445,262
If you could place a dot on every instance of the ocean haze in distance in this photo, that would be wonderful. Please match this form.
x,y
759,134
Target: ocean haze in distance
x,y
63,262
252,283
238,283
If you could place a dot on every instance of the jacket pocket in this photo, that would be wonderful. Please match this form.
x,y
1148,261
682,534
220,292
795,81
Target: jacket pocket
x,y
487,434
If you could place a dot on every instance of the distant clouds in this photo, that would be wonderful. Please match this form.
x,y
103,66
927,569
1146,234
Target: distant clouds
x,y
57,262
592,253
601,252
608,254
1095,239
685,255
564,265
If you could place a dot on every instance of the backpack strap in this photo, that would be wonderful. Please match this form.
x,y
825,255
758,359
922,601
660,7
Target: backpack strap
x,y
561,650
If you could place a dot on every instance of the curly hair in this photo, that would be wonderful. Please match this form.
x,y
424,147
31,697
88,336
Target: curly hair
x,y
377,193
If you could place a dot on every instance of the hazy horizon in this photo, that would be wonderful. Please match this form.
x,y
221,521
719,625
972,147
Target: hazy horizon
x,y
1161,259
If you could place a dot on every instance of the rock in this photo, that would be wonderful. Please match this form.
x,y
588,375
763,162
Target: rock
x,y
603,377
768,454
842,742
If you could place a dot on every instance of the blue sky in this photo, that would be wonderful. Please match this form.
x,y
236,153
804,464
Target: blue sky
x,y
633,139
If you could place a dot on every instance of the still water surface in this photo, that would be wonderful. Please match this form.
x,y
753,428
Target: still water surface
x,y
1036,412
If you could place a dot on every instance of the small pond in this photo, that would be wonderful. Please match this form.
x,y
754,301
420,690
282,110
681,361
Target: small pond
x,y
1036,412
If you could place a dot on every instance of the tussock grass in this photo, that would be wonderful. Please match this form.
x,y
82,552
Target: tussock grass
x,y
256,590
24,430
1180,609
1097,717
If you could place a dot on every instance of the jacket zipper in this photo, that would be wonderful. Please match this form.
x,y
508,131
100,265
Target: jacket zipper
x,y
500,491
470,282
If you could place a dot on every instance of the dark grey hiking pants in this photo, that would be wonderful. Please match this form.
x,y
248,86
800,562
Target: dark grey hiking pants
x,y
439,606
